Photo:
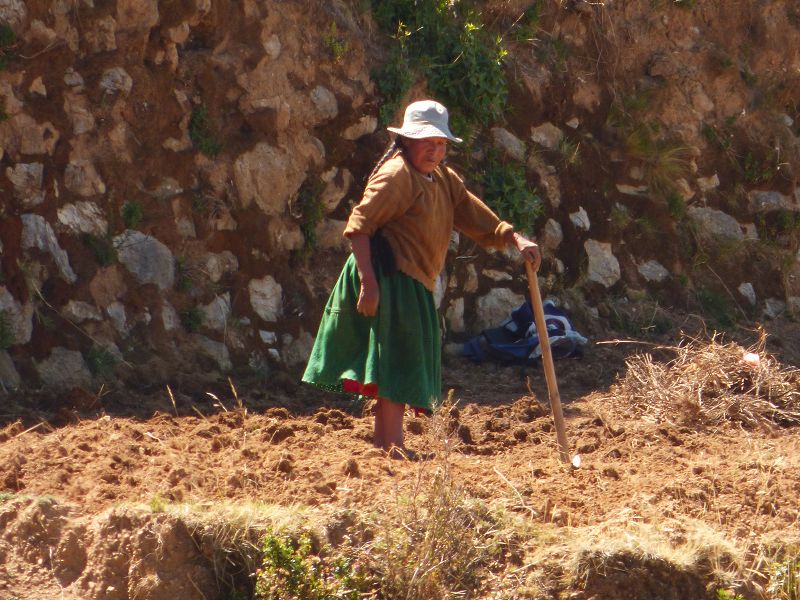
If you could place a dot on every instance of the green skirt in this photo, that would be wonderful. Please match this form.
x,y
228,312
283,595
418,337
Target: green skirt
x,y
395,354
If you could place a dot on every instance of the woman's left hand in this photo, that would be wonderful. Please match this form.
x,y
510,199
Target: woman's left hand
x,y
529,250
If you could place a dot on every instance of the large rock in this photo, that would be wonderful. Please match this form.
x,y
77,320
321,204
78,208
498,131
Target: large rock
x,y
148,260
769,201
37,233
653,271
63,370
455,315
13,12
715,223
552,236
116,81
268,176
325,103
508,144
78,312
603,265
21,135
580,218
547,135
214,350
80,177
216,266
266,298
748,292
137,15
101,36
27,179
337,184
330,235
17,318
296,351
364,126
83,217
9,378
217,312
76,107
495,307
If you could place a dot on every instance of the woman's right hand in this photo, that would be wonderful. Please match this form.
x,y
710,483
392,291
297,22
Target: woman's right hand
x,y
369,297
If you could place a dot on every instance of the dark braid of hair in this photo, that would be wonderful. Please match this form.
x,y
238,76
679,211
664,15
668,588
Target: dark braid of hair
x,y
393,147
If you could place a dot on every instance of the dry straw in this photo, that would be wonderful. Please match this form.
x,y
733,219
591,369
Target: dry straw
x,y
710,382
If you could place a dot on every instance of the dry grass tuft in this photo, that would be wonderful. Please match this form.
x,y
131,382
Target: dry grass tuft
x,y
709,382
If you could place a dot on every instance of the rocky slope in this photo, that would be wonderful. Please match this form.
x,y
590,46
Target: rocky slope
x,y
176,174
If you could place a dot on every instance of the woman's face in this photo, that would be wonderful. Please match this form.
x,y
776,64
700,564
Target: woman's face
x,y
426,153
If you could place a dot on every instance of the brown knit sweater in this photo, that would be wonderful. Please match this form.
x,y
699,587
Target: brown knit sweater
x,y
417,216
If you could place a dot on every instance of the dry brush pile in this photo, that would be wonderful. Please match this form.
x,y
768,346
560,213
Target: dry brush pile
x,y
712,381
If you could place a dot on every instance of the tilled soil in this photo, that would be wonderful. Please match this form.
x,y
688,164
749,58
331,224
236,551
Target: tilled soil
x,y
296,446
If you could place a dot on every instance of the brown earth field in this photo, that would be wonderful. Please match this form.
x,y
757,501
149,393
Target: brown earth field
x,y
663,505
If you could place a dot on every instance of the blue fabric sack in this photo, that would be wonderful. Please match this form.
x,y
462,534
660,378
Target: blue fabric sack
x,y
516,341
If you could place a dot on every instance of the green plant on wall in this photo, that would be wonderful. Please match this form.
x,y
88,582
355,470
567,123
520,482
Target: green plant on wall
x,y
101,247
506,189
553,51
446,43
394,78
757,170
6,330
662,161
309,210
526,26
716,307
336,44
100,362
191,318
203,132
8,41
132,215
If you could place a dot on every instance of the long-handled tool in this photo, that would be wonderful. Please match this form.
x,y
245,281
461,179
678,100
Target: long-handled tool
x,y
547,358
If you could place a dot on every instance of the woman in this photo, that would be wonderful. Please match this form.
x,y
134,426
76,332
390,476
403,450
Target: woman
x,y
379,335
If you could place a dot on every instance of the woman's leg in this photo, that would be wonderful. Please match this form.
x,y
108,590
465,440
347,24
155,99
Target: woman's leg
x,y
378,435
391,423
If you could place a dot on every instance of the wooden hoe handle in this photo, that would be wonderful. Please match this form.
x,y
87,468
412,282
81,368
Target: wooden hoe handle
x,y
547,358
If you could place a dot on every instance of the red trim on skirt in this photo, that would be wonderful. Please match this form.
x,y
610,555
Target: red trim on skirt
x,y
370,390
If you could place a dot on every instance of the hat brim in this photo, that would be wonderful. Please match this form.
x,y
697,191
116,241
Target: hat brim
x,y
422,131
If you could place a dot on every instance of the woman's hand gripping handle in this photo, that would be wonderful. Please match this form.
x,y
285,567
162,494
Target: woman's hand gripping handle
x,y
527,248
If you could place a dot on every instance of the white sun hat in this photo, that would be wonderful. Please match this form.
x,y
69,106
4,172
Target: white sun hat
x,y
425,119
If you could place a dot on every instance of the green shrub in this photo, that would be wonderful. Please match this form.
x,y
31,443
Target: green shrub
x,y
290,569
756,170
393,79
445,41
8,40
309,210
526,26
506,190
191,318
102,248
784,583
554,52
203,132
132,215
337,46
676,205
100,362
6,331
716,308
620,217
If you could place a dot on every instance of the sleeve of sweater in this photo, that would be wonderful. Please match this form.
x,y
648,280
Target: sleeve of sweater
x,y
387,196
474,218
